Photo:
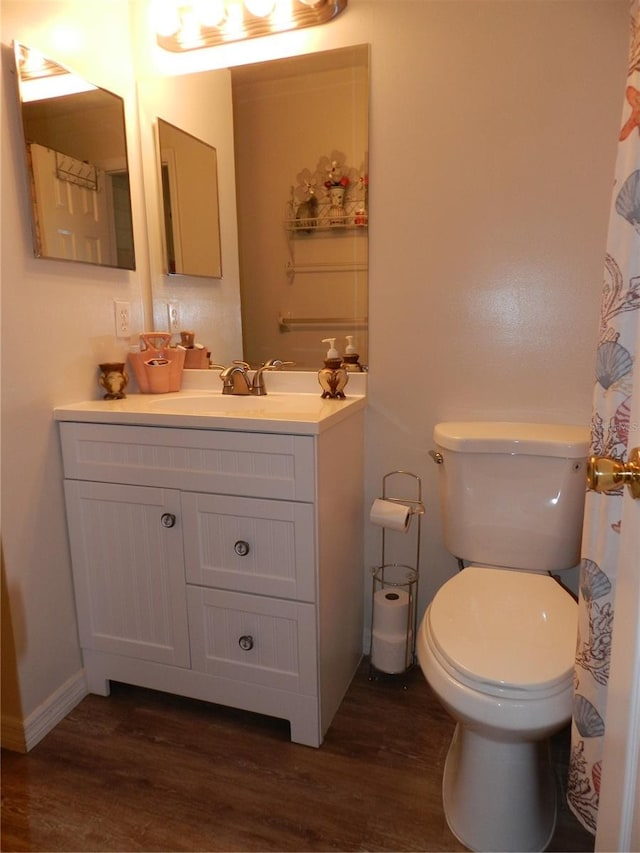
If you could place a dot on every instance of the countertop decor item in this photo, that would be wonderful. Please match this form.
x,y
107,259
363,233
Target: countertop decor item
x,y
149,363
333,377
114,379
196,355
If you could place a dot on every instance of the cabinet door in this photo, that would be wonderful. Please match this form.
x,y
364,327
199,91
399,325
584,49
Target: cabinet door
x,y
128,570
250,545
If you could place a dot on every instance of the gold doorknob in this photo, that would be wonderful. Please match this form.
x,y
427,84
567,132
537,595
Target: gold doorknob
x,y
605,474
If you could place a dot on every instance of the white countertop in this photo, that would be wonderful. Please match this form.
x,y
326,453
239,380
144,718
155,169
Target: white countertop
x,y
201,405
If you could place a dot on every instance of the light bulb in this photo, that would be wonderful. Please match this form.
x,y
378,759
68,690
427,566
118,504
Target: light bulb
x,y
209,13
165,17
260,8
234,19
33,62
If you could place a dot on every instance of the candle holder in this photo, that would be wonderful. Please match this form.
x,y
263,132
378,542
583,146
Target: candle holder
x,y
114,379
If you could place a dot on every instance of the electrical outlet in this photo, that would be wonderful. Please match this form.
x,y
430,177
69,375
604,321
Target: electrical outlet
x,y
122,312
173,310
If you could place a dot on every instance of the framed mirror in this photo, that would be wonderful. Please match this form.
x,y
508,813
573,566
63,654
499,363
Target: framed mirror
x,y
189,181
76,153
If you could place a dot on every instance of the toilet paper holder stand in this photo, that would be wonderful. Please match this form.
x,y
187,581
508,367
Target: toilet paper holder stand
x,y
398,578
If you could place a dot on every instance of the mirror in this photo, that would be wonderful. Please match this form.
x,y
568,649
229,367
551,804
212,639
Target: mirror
x,y
76,153
189,181
295,120
287,120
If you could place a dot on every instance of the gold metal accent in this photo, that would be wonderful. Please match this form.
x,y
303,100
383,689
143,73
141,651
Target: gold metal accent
x,y
605,474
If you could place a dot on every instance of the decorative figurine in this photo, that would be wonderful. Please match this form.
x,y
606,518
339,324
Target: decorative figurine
x,y
306,214
336,186
333,378
114,379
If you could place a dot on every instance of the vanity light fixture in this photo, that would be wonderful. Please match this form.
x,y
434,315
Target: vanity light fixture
x,y
40,78
182,26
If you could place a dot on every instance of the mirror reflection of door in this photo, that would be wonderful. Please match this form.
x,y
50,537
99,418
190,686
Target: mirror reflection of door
x,y
73,219
189,179
77,160
171,221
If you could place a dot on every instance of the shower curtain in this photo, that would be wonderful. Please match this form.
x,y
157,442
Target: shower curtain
x,y
615,358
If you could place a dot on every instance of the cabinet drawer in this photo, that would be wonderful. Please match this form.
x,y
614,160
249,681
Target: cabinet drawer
x,y
253,639
234,463
249,545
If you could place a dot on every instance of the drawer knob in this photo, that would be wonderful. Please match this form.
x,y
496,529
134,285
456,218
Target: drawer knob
x,y
246,643
241,548
168,519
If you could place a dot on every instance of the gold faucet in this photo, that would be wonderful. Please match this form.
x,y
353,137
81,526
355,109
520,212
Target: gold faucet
x,y
257,386
235,378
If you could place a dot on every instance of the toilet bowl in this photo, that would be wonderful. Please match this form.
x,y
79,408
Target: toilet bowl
x,y
497,648
497,642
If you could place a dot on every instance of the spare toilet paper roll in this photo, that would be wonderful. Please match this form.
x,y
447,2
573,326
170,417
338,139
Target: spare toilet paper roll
x,y
390,514
391,653
391,611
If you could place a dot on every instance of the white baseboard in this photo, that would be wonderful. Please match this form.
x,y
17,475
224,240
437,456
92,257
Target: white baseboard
x,y
23,735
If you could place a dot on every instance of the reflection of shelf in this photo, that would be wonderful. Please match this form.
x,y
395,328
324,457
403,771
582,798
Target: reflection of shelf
x,y
288,324
355,218
322,266
311,226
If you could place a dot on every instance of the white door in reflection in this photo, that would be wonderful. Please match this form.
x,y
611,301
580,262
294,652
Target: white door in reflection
x,y
73,219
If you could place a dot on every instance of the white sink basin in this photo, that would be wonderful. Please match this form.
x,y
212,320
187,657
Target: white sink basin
x,y
269,405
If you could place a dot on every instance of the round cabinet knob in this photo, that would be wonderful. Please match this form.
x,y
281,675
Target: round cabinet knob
x,y
241,548
246,643
168,519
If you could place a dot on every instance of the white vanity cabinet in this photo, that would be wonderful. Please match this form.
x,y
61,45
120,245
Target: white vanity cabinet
x,y
218,564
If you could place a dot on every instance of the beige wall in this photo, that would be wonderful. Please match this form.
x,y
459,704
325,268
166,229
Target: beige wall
x,y
52,312
487,265
493,132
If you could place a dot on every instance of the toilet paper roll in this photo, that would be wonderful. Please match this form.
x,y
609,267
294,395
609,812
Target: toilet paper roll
x,y
391,611
391,653
389,514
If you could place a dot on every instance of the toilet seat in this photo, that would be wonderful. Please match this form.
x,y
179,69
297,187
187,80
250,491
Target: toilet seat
x,y
504,632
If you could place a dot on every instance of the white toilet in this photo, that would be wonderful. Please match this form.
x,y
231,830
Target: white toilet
x,y
497,643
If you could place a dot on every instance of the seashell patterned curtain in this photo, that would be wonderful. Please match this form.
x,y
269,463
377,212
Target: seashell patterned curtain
x,y
616,352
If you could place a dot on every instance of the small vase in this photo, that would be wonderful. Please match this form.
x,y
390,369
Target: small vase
x,y
333,379
114,379
337,213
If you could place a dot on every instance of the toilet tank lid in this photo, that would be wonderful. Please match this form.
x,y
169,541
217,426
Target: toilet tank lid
x,y
564,440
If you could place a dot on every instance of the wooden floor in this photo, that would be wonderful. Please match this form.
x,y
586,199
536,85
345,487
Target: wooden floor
x,y
142,770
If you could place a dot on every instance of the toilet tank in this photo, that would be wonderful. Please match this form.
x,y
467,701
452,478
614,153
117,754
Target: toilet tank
x,y
512,494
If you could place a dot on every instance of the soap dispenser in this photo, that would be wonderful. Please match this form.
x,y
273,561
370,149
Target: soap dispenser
x,y
351,358
333,376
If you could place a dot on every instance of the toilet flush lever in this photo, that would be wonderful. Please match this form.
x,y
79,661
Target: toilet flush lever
x,y
436,456
605,473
